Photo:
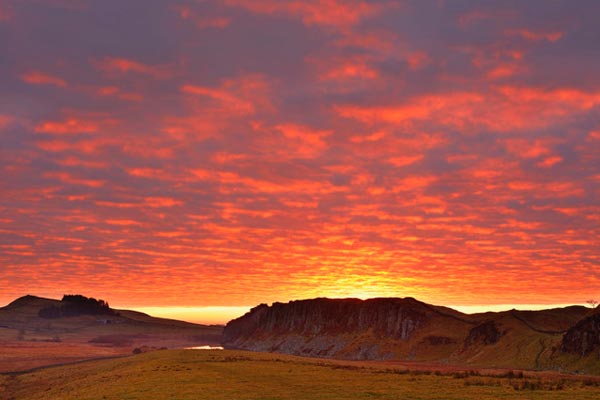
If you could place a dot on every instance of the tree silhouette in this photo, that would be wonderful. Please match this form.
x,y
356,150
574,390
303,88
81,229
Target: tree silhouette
x,y
76,304
593,303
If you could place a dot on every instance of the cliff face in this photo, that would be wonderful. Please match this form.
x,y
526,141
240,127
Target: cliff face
x,y
388,317
584,337
407,329
486,333
346,328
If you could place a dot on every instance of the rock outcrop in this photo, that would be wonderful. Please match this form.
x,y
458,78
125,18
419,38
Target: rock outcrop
x,y
345,328
584,337
407,329
486,334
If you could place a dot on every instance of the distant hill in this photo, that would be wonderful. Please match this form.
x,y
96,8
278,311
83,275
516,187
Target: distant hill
x,y
36,331
408,329
24,313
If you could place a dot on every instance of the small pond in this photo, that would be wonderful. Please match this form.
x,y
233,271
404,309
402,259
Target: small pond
x,y
204,348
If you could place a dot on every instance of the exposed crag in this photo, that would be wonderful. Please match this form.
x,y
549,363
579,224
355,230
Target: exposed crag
x,y
583,338
407,329
486,333
348,328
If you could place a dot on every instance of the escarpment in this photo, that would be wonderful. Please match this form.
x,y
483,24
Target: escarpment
x,y
407,329
345,328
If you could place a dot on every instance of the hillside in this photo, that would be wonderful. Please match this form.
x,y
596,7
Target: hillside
x,y
407,329
28,340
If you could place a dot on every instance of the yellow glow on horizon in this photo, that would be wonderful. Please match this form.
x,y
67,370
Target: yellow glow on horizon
x,y
207,315
220,315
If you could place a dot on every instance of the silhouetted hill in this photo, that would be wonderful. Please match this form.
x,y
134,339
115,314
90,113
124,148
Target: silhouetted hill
x,y
29,303
37,331
407,329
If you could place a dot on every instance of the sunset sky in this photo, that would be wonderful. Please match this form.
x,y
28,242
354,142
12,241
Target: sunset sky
x,y
229,153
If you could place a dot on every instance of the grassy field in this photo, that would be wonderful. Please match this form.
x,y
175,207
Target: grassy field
x,y
188,374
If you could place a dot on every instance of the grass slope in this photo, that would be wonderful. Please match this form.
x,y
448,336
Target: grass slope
x,y
185,374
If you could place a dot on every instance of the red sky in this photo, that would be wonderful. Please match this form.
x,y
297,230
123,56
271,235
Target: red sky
x,y
229,153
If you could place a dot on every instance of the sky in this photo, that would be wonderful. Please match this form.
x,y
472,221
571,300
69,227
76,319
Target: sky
x,y
214,155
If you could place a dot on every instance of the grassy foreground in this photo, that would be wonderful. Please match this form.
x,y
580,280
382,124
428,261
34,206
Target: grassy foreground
x,y
188,374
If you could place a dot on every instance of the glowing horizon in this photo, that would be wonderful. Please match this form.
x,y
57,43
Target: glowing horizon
x,y
226,153
221,315
199,315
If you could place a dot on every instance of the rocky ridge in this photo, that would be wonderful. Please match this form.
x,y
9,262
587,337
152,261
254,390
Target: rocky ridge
x,y
407,329
346,328
583,338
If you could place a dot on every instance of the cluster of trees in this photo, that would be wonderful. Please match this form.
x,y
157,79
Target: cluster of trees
x,y
76,304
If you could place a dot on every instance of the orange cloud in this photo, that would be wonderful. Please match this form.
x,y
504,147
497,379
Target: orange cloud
x,y
125,66
78,162
5,120
68,126
302,141
241,96
550,161
86,145
153,173
350,70
414,183
508,108
593,135
203,22
122,222
405,160
70,179
232,182
41,78
199,126
525,149
505,71
113,91
150,147
159,202
336,13
417,59
116,204
228,100
226,158
417,109
382,42
373,137
536,36
6,13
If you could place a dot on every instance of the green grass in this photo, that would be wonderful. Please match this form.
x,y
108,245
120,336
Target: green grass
x,y
181,374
